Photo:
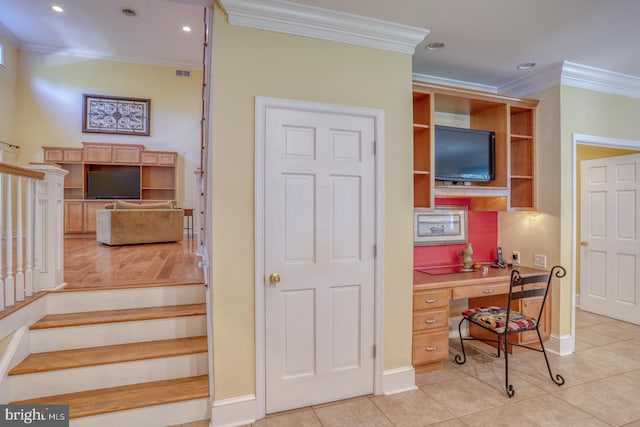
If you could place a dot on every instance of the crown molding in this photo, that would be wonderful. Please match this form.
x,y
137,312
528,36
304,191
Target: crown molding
x,y
600,80
453,82
101,55
8,35
302,20
576,75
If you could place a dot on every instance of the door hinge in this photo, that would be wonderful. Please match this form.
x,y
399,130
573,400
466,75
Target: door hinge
x,y
374,351
375,251
375,147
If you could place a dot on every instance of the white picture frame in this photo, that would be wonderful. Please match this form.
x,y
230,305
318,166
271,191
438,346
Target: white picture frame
x,y
444,225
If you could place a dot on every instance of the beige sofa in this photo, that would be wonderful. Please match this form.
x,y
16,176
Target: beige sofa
x,y
130,224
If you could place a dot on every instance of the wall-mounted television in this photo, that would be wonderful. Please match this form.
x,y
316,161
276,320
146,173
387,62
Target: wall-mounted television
x,y
464,155
113,184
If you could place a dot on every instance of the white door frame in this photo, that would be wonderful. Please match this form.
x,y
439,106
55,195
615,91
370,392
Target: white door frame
x,y
262,104
598,141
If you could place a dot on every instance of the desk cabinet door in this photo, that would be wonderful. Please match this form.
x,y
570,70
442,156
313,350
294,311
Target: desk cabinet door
x,y
430,347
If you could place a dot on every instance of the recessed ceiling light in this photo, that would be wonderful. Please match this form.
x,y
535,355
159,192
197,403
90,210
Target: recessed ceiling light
x,y
57,8
129,12
186,28
526,65
435,46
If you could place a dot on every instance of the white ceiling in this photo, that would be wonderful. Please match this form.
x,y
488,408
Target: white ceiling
x,y
485,39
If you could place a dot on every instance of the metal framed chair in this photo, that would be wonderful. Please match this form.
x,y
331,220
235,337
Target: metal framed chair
x,y
494,319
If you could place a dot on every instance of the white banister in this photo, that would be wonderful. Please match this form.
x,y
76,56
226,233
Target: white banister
x,y
49,228
9,281
31,231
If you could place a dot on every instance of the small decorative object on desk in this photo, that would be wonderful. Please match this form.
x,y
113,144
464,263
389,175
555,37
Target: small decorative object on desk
x,y
467,261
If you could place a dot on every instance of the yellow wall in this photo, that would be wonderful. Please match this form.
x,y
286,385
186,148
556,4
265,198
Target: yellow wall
x,y
539,232
8,77
588,152
589,113
250,63
49,107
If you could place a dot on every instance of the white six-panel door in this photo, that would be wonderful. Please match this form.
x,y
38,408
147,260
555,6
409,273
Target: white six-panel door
x,y
319,237
610,245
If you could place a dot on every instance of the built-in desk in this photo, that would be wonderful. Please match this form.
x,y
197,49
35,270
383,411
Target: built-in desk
x,y
431,296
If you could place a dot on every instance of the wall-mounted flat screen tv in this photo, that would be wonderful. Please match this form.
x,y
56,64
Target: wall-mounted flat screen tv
x,y
113,184
464,155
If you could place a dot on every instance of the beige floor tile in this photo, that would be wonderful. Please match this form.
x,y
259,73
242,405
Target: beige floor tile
x,y
454,422
634,374
618,329
354,413
573,369
633,424
465,395
615,399
524,389
449,371
411,409
297,418
588,337
618,357
584,318
543,411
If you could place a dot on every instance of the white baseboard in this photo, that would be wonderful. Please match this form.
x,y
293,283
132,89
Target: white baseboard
x,y
563,345
398,380
235,411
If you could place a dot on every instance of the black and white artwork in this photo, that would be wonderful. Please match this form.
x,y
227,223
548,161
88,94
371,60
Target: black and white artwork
x,y
105,114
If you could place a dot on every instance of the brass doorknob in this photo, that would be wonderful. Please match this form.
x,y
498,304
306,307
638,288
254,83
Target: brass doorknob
x,y
274,279
584,243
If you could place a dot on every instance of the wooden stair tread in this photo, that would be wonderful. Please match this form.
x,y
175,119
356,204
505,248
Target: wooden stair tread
x,y
75,358
122,315
122,398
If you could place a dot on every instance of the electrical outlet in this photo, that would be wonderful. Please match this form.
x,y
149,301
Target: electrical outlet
x,y
539,261
515,257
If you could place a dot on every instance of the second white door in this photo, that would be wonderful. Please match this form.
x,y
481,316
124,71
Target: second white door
x,y
610,245
319,257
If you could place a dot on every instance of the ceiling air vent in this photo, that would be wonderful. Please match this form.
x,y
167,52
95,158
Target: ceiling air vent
x,y
183,73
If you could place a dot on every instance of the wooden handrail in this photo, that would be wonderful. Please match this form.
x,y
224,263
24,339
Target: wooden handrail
x,y
20,171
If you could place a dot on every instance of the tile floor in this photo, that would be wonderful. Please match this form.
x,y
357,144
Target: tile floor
x,y
602,389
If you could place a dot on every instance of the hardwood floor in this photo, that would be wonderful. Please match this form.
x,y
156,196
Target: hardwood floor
x,y
89,264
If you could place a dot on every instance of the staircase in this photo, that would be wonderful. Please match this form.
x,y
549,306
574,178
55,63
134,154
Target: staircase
x,y
134,356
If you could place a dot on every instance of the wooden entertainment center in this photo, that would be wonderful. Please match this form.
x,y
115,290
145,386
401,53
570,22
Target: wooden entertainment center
x,y
513,119
157,170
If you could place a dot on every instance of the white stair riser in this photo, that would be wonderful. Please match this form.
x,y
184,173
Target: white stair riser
x,y
151,416
116,299
66,338
62,381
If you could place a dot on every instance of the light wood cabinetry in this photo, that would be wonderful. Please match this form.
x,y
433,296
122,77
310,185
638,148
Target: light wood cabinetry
x,y
430,328
157,170
513,121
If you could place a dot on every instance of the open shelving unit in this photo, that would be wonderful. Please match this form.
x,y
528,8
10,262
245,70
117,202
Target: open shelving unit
x,y
157,170
513,121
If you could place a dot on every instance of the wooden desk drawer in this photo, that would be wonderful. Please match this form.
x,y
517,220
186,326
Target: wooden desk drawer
x,y
431,319
480,290
424,300
430,347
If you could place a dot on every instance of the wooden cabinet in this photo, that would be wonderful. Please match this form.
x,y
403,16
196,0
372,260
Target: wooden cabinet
x,y
157,171
430,329
512,119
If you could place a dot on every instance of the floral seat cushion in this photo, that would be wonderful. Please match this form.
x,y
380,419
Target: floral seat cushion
x,y
494,319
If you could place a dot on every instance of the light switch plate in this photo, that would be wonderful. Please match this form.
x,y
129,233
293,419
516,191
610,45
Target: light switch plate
x,y
539,261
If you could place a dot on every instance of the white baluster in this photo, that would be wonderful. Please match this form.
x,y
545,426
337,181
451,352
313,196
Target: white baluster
x,y
19,245
9,281
28,277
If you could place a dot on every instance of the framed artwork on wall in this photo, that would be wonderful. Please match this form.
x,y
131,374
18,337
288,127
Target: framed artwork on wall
x,y
444,225
106,114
